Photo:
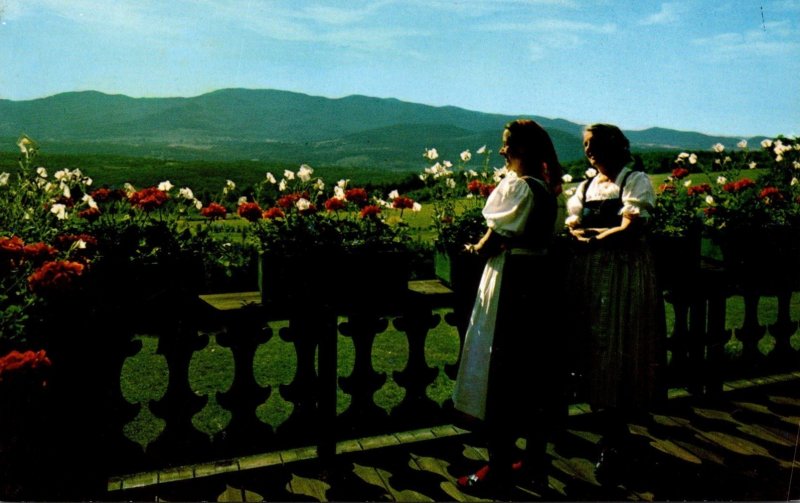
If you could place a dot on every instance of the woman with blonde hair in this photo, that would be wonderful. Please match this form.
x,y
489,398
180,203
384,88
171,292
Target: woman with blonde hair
x,y
613,289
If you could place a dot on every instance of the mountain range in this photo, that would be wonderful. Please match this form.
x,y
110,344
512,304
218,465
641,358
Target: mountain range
x,y
281,126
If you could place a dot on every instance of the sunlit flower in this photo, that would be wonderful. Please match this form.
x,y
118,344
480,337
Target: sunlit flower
x,y
591,173
89,200
693,159
721,180
416,207
431,154
683,155
4,178
481,150
718,148
271,179
27,147
710,200
165,186
752,165
303,204
288,174
742,144
241,200
59,210
186,193
282,186
766,143
567,178
465,156
41,171
304,174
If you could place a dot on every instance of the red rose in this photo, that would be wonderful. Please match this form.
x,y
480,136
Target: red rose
x,y
15,360
699,189
772,193
402,202
214,211
40,252
250,211
149,199
273,213
356,196
486,189
334,204
679,173
55,277
370,211
90,214
474,187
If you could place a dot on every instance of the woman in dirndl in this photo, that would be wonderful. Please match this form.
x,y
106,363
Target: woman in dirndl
x,y
510,361
620,310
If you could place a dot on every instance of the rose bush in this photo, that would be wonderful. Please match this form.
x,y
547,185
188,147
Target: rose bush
x,y
457,194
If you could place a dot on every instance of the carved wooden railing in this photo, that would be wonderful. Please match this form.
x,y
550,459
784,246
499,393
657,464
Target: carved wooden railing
x,y
242,325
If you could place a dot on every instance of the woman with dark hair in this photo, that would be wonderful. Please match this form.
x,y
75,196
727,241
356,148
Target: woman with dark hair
x,y
620,310
511,352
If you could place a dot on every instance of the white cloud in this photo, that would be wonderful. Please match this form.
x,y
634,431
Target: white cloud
x,y
669,13
775,39
553,34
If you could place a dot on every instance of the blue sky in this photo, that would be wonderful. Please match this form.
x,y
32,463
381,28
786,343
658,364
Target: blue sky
x,y
728,68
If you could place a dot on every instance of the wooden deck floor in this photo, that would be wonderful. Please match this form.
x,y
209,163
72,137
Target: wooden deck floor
x,y
741,446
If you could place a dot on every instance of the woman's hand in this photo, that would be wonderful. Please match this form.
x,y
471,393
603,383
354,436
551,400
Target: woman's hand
x,y
489,244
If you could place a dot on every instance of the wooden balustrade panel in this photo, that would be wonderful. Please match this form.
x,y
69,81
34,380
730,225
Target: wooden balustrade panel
x,y
701,359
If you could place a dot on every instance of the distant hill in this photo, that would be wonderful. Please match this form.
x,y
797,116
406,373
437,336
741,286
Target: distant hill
x,y
282,126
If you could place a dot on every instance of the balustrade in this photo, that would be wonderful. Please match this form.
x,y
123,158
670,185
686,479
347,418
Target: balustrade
x,y
242,326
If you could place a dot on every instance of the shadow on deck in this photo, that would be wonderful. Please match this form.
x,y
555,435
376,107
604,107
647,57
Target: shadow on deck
x,y
739,446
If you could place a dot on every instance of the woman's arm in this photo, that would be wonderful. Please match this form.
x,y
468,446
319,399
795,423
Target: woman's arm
x,y
489,244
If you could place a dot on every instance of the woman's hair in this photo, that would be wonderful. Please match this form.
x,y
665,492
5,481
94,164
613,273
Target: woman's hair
x,y
609,145
529,142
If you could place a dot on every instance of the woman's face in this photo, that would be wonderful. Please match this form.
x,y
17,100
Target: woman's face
x,y
504,148
592,149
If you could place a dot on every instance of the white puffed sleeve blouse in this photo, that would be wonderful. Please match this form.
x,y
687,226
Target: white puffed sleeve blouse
x,y
638,196
508,206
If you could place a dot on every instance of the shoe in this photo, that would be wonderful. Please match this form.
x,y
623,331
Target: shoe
x,y
486,481
607,467
477,479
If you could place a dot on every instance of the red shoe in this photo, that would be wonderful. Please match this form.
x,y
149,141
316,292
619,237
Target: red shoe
x,y
474,479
